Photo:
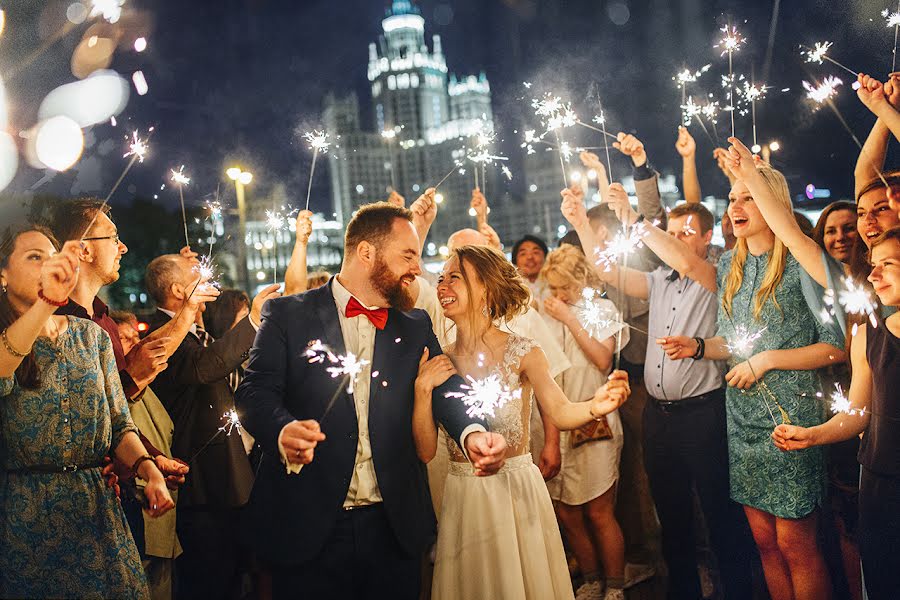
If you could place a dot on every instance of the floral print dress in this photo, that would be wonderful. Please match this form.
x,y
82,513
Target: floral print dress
x,y
785,484
64,534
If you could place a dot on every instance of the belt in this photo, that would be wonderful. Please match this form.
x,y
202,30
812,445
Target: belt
x,y
692,401
49,469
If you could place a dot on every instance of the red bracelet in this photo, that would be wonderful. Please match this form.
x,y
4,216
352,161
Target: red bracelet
x,y
51,302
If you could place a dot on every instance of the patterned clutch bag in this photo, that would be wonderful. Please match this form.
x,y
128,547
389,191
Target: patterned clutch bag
x,y
594,431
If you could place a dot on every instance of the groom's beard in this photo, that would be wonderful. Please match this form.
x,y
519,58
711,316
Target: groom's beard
x,y
391,288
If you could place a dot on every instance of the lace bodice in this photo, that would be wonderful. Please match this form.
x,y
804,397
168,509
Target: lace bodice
x,y
511,420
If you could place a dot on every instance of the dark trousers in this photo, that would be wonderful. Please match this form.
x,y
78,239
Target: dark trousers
x,y
361,559
879,534
686,450
213,550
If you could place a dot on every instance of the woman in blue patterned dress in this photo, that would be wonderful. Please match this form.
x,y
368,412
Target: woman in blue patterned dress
x,y
775,343
62,530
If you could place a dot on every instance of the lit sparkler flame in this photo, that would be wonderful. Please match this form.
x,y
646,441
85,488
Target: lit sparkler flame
x,y
179,177
505,170
318,140
110,10
855,299
731,41
824,91
891,18
215,210
278,220
621,246
232,422
752,92
565,150
687,76
841,404
741,343
818,52
484,397
597,316
689,110
137,147
347,365
710,110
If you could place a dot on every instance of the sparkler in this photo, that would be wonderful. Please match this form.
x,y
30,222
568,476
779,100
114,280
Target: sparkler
x,y
596,316
752,93
318,142
893,20
555,114
824,91
456,166
232,423
730,43
137,150
820,53
621,246
207,271
484,397
682,78
110,10
743,340
506,172
182,180
348,365
277,220
855,299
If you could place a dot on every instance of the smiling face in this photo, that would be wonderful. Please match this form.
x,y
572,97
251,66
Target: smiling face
x,y
885,275
21,275
746,220
396,265
106,253
529,259
840,234
874,215
455,296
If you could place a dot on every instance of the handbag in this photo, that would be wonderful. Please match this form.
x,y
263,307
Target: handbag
x,y
594,431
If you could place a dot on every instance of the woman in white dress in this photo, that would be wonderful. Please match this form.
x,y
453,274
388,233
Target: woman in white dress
x,y
585,488
499,537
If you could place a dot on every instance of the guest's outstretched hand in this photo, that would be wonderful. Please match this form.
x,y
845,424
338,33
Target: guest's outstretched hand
x,y
487,451
618,200
630,146
678,347
303,227
685,144
720,154
871,93
791,437
573,208
740,160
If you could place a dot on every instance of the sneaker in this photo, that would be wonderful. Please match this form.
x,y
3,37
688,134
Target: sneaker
x,y
591,590
614,594
637,573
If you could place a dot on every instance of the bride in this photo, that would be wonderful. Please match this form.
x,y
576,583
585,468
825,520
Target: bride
x,y
499,537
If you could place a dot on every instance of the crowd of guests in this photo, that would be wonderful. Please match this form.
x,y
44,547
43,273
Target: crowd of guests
x,y
690,436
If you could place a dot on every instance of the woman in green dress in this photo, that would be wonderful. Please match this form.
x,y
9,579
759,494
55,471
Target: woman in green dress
x,y
62,530
774,344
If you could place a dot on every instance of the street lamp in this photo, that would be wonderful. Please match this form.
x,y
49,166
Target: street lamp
x,y
241,178
769,148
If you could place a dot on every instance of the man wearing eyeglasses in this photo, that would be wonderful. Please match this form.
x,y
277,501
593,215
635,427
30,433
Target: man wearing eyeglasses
x,y
100,256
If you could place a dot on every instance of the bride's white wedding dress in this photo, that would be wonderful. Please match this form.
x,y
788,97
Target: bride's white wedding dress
x,y
498,537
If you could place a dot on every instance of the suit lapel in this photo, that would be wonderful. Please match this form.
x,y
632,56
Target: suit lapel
x,y
326,310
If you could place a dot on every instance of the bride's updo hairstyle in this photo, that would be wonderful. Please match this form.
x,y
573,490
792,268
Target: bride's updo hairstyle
x,y
506,293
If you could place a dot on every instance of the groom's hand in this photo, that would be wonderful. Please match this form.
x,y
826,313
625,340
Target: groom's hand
x,y
487,451
299,440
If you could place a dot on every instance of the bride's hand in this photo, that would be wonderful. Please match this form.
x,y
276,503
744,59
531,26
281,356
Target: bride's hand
x,y
611,395
434,372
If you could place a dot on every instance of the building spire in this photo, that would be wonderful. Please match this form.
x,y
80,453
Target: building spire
x,y
403,7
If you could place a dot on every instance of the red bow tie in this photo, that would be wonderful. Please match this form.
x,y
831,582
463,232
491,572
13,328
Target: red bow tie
x,y
378,316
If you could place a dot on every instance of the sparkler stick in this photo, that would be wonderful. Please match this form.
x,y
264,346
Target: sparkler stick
x,y
862,149
137,150
232,422
347,365
819,53
731,42
597,129
562,162
318,140
893,20
182,180
446,177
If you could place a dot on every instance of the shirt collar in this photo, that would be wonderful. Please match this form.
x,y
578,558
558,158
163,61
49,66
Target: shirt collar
x,y
673,276
342,296
171,314
76,310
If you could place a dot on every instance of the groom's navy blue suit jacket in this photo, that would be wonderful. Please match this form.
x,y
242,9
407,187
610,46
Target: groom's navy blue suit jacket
x,y
291,516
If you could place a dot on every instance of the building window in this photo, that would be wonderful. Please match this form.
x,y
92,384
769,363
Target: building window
x,y
414,80
392,82
376,89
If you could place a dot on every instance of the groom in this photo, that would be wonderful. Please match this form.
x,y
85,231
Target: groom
x,y
356,520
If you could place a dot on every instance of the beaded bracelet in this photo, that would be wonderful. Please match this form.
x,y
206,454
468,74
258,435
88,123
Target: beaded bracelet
x,y
9,347
55,303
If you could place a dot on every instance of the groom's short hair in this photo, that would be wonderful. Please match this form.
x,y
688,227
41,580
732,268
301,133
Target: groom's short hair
x,y
373,223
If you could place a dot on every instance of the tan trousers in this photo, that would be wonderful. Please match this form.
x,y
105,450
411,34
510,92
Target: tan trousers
x,y
159,576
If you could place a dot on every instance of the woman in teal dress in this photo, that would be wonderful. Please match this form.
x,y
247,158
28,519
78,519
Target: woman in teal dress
x,y
62,530
774,344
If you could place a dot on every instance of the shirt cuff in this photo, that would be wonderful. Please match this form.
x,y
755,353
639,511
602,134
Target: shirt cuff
x,y
291,468
462,437
643,172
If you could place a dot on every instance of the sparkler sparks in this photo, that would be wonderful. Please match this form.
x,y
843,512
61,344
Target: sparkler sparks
x,y
710,110
232,422
841,404
621,246
741,343
318,140
732,40
137,147
110,10
689,110
348,365
484,397
506,172
855,299
687,76
817,53
207,271
824,91
892,19
597,316
179,177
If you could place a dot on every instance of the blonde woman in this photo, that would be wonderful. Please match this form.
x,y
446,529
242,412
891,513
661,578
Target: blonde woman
x,y
585,488
498,537
766,327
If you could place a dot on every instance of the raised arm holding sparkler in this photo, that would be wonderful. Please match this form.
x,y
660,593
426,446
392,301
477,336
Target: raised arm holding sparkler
x,y
687,148
295,272
593,162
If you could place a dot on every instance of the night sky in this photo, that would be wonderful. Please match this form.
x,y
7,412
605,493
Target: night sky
x,y
231,81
